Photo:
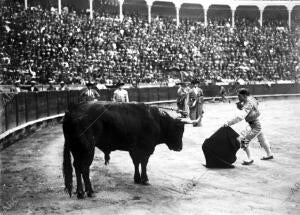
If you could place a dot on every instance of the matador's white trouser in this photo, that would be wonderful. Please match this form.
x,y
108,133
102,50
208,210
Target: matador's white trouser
x,y
252,133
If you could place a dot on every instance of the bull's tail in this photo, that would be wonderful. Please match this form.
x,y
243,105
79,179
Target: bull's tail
x,y
106,157
67,169
67,166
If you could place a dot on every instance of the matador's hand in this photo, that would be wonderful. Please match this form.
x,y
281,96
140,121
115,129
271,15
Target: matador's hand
x,y
239,105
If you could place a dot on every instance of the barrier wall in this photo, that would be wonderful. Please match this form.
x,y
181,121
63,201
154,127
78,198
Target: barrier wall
x,y
18,109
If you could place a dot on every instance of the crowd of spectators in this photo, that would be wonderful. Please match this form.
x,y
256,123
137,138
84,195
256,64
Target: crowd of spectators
x,y
42,45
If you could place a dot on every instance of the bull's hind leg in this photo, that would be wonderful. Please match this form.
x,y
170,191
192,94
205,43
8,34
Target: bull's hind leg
x,y
144,177
87,182
79,190
136,162
85,168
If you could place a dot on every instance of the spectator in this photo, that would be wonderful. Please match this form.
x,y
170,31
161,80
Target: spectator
x,y
101,85
51,85
63,86
16,87
33,87
71,47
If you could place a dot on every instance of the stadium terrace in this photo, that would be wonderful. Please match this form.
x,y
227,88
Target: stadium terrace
x,y
149,41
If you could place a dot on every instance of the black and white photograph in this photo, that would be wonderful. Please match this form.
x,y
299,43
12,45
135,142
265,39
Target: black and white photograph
x,y
145,107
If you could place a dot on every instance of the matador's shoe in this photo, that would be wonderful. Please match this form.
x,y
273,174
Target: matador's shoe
x,y
248,162
268,157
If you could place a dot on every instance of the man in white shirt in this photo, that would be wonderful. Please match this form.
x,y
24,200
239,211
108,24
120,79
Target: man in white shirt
x,y
120,94
89,94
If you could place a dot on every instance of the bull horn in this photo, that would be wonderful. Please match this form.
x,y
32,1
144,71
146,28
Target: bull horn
x,y
186,120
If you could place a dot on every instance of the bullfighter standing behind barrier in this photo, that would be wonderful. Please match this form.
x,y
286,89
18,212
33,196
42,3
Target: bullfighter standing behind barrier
x,y
89,94
120,94
196,103
182,97
249,111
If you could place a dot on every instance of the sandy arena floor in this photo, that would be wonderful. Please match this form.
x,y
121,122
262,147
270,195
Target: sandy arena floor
x,y
32,183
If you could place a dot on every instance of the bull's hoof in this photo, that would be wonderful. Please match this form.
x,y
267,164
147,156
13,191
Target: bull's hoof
x,y
137,178
146,183
137,181
80,195
90,194
144,180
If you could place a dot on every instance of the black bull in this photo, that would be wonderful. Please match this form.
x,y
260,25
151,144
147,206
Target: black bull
x,y
136,128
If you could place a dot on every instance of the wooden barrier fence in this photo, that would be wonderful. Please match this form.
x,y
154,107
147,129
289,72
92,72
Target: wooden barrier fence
x,y
25,107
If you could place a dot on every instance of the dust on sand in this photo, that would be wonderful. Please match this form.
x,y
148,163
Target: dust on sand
x,y
32,182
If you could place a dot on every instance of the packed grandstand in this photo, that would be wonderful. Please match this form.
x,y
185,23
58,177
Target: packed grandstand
x,y
40,44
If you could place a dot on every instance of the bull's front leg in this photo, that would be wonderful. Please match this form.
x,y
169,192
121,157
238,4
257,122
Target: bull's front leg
x,y
136,161
144,176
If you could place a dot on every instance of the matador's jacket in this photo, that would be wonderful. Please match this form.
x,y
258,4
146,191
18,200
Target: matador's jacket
x,y
249,111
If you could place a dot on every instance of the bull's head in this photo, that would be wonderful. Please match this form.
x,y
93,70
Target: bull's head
x,y
175,133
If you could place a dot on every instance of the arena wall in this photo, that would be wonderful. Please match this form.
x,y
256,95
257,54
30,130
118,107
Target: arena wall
x,y
27,109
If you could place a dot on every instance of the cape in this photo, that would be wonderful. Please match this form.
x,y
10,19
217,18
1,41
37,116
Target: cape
x,y
220,149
